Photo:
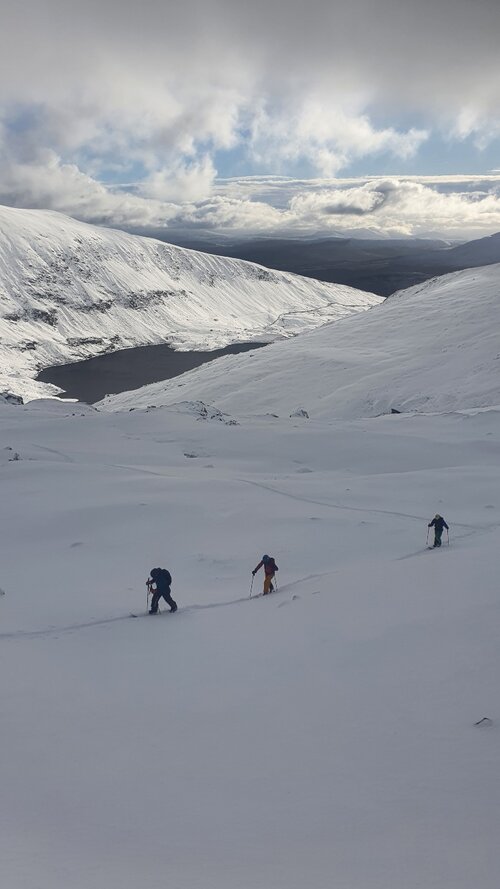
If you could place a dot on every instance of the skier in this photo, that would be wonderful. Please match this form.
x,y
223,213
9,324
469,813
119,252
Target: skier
x,y
161,580
270,568
438,523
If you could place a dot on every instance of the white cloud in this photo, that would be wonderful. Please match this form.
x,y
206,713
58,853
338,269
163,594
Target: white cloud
x,y
109,85
50,184
231,215
327,135
402,207
152,92
456,206
181,183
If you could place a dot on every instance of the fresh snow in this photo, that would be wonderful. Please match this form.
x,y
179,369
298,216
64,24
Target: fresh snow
x,y
323,736
69,291
342,732
433,347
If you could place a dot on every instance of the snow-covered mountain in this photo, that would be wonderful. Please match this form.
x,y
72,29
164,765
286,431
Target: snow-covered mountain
x,y
70,291
433,347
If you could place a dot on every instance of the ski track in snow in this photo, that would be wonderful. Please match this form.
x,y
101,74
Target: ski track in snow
x,y
363,509
55,631
474,529
65,458
70,628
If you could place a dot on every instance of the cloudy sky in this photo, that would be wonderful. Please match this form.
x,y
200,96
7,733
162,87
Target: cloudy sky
x,y
267,116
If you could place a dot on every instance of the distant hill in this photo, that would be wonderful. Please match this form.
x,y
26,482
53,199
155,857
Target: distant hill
x,y
483,251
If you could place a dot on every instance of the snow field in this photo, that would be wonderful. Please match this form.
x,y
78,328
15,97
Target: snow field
x,y
323,736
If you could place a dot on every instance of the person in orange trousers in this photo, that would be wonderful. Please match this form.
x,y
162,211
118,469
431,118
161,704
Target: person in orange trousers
x,y
270,568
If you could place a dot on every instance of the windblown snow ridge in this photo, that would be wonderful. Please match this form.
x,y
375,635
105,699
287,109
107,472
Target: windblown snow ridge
x,y
69,291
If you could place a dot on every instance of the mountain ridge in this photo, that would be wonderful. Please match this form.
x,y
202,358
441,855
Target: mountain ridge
x,y
69,291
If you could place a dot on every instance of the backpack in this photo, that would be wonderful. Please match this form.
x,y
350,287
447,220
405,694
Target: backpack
x,y
162,576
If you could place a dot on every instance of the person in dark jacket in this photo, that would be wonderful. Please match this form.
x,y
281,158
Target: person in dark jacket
x,y
438,523
159,585
270,568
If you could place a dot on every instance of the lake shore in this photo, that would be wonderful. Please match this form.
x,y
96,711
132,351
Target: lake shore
x,y
115,372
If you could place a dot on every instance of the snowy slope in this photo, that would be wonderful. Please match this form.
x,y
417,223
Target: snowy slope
x,y
342,732
321,737
433,347
69,291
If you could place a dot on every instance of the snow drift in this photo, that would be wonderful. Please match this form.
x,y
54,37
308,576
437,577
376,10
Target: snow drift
x,y
70,291
433,347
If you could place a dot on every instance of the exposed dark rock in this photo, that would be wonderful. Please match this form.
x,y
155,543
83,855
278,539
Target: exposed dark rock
x,y
10,398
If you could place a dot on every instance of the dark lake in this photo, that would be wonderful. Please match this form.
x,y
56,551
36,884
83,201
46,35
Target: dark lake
x,y
92,379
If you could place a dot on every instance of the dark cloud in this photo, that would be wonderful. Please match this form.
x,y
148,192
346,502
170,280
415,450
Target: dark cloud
x,y
431,53
359,202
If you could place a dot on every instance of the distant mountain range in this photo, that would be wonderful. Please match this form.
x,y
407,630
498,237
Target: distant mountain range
x,y
377,266
70,291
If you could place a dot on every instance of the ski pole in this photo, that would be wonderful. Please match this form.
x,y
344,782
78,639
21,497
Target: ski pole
x,y
427,538
448,535
251,586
